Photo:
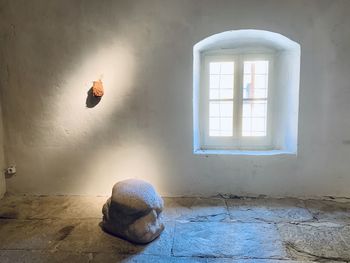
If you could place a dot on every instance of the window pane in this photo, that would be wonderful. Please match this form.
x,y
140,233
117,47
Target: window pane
x,y
253,127
220,118
221,80
259,109
226,81
258,124
226,109
255,79
214,94
214,81
214,109
260,94
221,109
260,81
254,118
222,68
226,94
215,68
260,66
220,126
214,124
246,126
254,108
226,126
226,68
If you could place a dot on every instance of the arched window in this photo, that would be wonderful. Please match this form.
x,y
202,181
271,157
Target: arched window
x,y
245,93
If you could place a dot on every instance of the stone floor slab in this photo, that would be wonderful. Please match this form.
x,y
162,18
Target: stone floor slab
x,y
316,241
268,210
108,257
221,239
230,260
195,209
25,256
329,210
33,234
89,237
45,207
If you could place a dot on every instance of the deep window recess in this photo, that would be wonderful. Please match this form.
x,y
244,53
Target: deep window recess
x,y
246,93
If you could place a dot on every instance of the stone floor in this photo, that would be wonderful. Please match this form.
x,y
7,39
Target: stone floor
x,y
215,230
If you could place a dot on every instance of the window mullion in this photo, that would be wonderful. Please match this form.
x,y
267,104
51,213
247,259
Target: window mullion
x,y
234,119
239,100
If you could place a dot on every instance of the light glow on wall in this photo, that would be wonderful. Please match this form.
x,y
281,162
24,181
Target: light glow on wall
x,y
120,162
84,141
113,64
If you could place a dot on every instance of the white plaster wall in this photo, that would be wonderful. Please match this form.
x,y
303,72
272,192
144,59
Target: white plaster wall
x,y
2,186
2,158
52,51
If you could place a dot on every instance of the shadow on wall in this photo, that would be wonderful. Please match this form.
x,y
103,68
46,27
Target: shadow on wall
x,y
91,100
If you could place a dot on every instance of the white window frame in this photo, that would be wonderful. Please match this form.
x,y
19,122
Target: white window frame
x,y
237,141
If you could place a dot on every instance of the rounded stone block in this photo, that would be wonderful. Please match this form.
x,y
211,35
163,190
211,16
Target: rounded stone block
x,y
133,211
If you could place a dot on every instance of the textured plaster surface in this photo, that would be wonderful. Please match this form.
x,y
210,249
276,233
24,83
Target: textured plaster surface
x,y
66,229
52,51
2,155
